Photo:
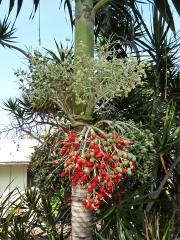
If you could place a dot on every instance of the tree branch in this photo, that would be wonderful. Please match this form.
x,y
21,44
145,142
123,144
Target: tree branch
x,y
99,5
160,188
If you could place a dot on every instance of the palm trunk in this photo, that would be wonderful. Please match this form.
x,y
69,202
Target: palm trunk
x,y
81,217
84,36
84,41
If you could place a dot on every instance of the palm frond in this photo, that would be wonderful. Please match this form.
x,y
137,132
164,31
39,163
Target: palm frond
x,y
63,53
68,4
177,5
165,12
7,31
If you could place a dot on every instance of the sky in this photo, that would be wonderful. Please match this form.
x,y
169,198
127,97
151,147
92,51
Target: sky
x,y
54,25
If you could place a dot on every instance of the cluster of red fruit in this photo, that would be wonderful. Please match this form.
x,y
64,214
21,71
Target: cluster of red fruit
x,y
99,162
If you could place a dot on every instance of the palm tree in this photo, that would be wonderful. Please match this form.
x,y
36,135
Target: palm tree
x,y
85,12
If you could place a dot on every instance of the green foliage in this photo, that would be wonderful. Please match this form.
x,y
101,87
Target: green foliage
x,y
123,219
170,138
155,230
48,83
48,179
31,215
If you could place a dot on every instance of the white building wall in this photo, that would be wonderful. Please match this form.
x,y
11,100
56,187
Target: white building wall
x,y
14,159
12,176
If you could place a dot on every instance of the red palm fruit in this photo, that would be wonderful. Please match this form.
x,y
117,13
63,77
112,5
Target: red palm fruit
x,y
93,185
99,155
72,154
124,170
69,163
102,148
118,145
91,168
63,174
71,178
116,180
73,159
84,161
95,179
103,173
91,144
90,189
101,166
110,189
74,182
121,142
101,189
106,157
98,202
91,200
96,147
67,144
63,152
93,135
132,167
84,180
115,136
79,161
76,145
116,164
91,208
72,137
78,168
102,136
89,164
126,143
99,195
55,164
110,183
59,144
84,202
79,174
88,206
107,178
96,151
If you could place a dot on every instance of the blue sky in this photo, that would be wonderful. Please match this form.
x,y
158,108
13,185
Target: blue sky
x,y
54,24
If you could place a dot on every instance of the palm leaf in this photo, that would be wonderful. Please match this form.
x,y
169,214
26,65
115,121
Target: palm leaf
x,y
177,5
6,32
19,3
11,6
67,3
165,11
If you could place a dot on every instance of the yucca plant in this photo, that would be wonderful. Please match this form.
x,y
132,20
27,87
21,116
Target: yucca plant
x,y
7,38
124,217
31,215
154,230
